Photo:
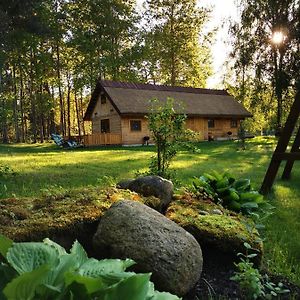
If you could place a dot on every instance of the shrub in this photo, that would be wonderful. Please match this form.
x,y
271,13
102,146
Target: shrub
x,y
232,193
253,284
167,129
44,270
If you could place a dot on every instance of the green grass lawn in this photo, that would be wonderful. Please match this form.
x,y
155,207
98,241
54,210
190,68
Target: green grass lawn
x,y
39,167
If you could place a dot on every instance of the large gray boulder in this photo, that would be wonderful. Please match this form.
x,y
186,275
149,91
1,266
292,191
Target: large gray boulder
x,y
130,229
151,186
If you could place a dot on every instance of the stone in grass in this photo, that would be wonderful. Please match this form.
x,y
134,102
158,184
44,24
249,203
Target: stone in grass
x,y
150,186
132,230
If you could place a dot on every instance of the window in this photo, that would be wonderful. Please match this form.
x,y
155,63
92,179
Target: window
x,y
105,126
103,99
211,123
135,125
233,123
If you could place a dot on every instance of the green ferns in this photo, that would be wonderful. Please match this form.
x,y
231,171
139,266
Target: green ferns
x,y
233,194
44,270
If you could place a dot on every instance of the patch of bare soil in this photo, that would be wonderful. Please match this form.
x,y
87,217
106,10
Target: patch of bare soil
x,y
215,281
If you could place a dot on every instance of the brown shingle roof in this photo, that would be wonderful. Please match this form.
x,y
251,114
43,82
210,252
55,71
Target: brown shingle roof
x,y
133,98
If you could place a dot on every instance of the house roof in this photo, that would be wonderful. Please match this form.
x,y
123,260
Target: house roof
x,y
133,99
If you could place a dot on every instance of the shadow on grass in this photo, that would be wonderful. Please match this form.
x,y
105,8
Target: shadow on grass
x,y
50,147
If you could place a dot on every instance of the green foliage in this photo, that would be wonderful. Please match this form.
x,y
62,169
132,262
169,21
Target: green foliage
x,y
5,172
249,279
253,284
44,270
42,165
232,193
173,50
167,130
272,67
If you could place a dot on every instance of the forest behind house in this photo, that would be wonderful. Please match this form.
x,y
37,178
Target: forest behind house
x,y
52,52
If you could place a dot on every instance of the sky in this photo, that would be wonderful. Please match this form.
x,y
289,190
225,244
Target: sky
x,y
222,10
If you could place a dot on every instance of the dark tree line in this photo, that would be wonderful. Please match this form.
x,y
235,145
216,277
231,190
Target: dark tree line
x,y
53,51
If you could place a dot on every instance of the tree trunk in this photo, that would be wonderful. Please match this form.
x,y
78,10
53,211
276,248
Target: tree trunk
x,y
69,106
23,133
81,111
61,102
278,89
32,100
77,114
173,59
15,107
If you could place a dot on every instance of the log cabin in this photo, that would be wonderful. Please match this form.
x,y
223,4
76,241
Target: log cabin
x,y
118,112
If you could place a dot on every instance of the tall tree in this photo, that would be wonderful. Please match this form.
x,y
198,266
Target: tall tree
x,y
265,46
178,50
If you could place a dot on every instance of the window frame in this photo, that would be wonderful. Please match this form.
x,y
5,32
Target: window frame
x,y
132,129
213,123
233,123
107,129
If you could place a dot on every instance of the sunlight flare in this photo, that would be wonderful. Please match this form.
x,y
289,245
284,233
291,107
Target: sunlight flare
x,y
278,37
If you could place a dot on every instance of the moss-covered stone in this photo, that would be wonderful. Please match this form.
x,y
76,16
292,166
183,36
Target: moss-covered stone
x,y
60,212
226,231
68,215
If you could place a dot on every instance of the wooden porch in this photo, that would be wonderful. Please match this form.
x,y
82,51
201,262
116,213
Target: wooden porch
x,y
102,139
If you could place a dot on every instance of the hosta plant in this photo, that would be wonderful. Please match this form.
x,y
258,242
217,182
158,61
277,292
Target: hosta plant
x,y
232,193
45,270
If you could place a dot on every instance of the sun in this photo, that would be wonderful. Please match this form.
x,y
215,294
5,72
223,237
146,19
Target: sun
x,y
278,37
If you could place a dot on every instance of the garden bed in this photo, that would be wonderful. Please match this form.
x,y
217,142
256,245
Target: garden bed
x,y
66,215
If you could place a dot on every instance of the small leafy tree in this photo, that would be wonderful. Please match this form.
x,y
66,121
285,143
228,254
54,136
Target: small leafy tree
x,y
167,129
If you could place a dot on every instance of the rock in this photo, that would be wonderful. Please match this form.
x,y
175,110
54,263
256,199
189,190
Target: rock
x,y
216,212
132,230
151,186
124,184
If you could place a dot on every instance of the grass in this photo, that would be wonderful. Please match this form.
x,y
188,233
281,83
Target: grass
x,y
39,167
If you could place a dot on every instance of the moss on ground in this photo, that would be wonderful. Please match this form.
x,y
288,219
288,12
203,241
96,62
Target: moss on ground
x,y
214,226
69,213
59,211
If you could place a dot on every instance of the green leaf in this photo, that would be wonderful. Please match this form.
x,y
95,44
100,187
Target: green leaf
x,y
249,205
155,295
230,177
242,185
5,244
7,273
234,205
25,257
67,262
164,296
216,175
209,177
25,285
252,196
133,288
92,285
59,248
223,183
247,245
203,178
233,196
94,267
79,252
75,291
251,255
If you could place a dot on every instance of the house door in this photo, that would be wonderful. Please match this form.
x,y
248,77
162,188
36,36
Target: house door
x,y
105,126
